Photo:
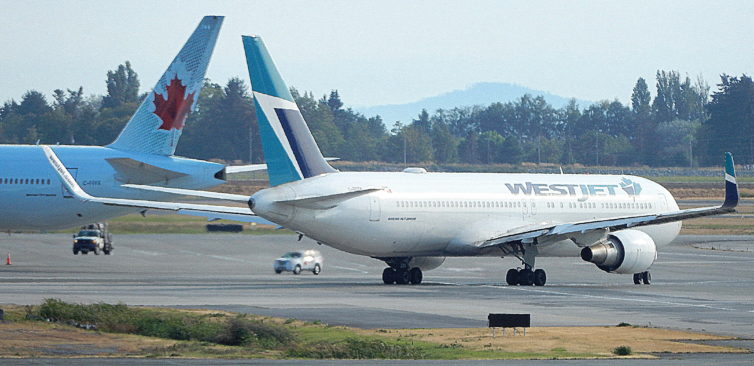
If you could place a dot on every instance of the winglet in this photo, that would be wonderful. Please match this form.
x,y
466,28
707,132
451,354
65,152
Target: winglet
x,y
731,186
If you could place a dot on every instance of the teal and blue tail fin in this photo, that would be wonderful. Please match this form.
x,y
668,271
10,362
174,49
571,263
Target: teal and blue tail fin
x,y
157,125
289,147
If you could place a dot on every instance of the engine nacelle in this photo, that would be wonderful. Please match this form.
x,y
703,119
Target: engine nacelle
x,y
626,251
426,263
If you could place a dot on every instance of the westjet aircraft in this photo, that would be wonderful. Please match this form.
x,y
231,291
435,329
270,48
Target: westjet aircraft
x,y
412,220
30,192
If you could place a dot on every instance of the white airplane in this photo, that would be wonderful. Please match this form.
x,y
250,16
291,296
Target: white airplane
x,y
32,198
413,219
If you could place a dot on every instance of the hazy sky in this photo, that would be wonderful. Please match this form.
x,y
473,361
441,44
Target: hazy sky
x,y
381,52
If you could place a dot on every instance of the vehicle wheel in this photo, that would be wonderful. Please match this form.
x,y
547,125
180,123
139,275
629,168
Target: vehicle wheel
x,y
388,276
278,271
297,269
637,278
95,251
540,277
646,277
317,269
512,277
75,252
415,276
526,277
402,277
107,252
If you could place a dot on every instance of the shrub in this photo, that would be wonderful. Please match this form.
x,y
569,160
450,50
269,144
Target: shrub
x,y
240,332
622,350
623,324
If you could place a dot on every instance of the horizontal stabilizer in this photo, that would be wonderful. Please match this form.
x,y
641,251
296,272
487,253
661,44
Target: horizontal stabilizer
x,y
245,168
330,200
133,171
234,169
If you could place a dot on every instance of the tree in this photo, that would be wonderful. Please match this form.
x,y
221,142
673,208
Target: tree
x,y
444,144
33,102
122,87
730,126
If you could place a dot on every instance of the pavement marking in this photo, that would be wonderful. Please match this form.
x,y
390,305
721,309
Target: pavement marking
x,y
601,297
145,252
349,269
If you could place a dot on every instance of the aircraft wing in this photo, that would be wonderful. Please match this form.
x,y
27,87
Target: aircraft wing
x,y
540,233
191,192
243,214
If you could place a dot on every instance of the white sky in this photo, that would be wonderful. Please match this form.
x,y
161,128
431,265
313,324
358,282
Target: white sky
x,y
383,52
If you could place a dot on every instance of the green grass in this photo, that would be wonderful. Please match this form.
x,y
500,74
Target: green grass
x,y
175,224
223,335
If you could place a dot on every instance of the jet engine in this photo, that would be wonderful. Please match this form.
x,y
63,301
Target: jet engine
x,y
625,251
426,263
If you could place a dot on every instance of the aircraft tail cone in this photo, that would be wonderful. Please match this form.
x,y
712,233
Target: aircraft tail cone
x,y
7,260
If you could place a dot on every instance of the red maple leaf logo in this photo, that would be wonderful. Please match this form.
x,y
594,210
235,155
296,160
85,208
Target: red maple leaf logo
x,y
174,110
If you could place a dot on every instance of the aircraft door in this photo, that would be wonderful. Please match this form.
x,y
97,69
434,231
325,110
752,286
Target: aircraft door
x,y
533,208
374,208
74,172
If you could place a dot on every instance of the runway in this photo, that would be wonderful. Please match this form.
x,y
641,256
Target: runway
x,y
694,287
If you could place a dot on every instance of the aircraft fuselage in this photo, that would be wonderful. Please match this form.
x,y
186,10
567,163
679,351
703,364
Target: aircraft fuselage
x,y
448,214
33,197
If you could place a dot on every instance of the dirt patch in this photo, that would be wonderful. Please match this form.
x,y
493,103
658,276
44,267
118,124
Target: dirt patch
x,y
31,339
578,340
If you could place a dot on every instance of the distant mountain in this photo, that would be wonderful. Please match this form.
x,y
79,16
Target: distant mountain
x,y
477,94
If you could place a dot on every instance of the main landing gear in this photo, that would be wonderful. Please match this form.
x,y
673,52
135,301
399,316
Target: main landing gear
x,y
643,277
527,276
399,272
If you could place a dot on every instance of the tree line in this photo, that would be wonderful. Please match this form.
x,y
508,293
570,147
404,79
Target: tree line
x,y
679,124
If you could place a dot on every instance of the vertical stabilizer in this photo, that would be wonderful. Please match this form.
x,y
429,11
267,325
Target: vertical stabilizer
x,y
289,147
157,125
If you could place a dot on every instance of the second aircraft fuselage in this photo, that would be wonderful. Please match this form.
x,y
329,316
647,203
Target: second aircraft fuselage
x,y
33,198
449,214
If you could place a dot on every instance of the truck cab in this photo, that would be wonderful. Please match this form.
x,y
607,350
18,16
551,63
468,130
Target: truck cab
x,y
93,238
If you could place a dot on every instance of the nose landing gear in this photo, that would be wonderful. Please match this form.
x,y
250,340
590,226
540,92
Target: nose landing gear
x,y
643,277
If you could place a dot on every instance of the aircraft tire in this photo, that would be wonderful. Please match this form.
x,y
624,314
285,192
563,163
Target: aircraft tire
x,y
415,276
540,277
526,277
646,277
512,277
637,278
388,276
402,277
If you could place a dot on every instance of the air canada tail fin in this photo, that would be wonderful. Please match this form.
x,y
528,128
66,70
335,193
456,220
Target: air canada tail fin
x,y
157,125
289,147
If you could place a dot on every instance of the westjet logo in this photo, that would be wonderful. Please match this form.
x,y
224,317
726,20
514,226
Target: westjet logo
x,y
541,189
